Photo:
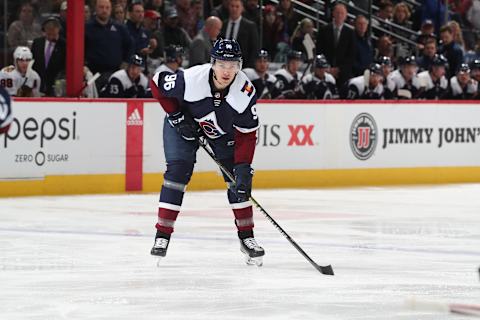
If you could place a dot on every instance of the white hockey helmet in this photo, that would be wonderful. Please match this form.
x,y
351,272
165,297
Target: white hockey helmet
x,y
22,53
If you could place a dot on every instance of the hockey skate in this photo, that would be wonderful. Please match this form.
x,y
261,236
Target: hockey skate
x,y
250,248
160,246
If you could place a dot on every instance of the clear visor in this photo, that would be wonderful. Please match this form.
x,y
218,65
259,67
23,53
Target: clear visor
x,y
223,65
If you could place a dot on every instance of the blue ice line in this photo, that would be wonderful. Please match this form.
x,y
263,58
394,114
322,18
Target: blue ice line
x,y
304,243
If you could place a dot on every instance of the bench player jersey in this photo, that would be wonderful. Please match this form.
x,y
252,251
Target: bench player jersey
x,y
217,112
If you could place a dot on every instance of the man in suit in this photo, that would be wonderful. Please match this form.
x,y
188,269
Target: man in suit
x,y
336,42
243,30
49,53
203,42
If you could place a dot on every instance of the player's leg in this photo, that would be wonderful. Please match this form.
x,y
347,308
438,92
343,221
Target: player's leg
x,y
180,157
242,211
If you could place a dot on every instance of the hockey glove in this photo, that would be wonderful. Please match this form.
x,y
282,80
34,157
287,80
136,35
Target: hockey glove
x,y
185,126
243,174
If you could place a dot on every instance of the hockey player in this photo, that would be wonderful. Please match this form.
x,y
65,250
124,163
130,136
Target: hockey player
x,y
261,79
403,82
6,116
387,68
462,86
128,83
288,78
21,80
475,73
173,60
321,84
434,85
368,86
217,101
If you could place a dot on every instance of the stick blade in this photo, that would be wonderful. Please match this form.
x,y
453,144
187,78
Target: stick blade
x,y
327,270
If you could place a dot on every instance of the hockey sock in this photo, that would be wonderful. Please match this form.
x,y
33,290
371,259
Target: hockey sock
x,y
243,213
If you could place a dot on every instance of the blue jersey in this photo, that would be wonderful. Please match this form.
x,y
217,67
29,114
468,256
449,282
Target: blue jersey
x,y
219,113
6,116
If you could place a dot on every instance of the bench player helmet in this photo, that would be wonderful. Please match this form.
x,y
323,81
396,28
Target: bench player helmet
x,y
22,53
172,53
321,62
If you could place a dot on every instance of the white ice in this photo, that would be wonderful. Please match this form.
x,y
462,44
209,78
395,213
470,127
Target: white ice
x,y
87,257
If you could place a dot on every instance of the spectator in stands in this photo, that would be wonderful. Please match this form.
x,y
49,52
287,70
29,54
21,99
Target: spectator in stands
x,y
433,10
434,84
457,34
202,44
302,39
428,53
49,53
363,46
18,79
451,50
186,19
143,42
123,3
243,30
221,10
385,48
63,20
151,21
384,15
403,82
288,77
119,14
127,83
337,43
271,30
156,5
320,84
252,11
22,31
401,16
87,12
289,18
107,43
462,86
426,32
172,33
367,86
173,60
259,76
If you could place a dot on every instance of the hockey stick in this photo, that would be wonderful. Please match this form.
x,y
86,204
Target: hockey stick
x,y
472,310
323,269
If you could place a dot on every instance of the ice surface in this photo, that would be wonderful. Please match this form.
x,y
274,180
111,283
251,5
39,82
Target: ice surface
x,y
87,257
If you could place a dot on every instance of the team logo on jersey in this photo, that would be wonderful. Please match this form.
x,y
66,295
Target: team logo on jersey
x,y
248,88
363,136
210,127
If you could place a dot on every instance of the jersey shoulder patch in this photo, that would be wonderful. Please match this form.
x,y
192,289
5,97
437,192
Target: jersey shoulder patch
x,y
241,93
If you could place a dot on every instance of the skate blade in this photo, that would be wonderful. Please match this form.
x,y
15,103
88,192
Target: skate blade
x,y
159,261
256,261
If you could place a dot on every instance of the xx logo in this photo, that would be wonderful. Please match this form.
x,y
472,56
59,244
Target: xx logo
x,y
295,135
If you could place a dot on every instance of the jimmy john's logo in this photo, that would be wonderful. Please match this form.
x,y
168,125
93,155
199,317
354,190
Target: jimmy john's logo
x,y
363,136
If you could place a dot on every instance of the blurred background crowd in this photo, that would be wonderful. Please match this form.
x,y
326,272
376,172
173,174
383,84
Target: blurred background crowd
x,y
292,49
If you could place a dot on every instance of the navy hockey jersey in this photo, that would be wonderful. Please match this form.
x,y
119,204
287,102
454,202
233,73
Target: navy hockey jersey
x,y
263,85
312,87
217,112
